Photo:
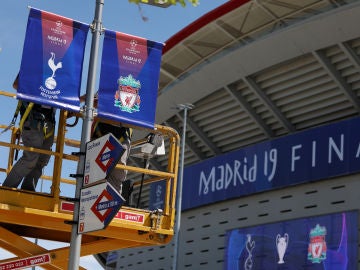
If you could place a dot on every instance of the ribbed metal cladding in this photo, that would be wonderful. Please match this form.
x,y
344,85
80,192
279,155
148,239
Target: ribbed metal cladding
x,y
243,25
301,89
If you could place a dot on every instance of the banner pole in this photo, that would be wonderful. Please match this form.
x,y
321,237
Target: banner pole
x,y
96,28
185,108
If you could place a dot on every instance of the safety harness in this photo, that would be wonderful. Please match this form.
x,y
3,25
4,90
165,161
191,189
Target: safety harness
x,y
99,129
37,119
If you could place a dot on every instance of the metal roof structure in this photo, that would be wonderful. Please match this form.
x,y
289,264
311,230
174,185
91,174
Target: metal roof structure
x,y
259,69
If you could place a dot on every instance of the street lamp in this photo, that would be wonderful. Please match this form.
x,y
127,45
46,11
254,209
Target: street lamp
x,y
184,107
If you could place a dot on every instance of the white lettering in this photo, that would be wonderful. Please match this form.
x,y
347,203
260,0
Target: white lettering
x,y
273,160
293,157
313,154
131,217
237,165
224,176
245,169
220,182
358,151
253,170
206,181
228,175
339,152
133,59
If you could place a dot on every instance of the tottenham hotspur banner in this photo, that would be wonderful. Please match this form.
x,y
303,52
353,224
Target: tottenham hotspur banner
x,y
52,60
129,79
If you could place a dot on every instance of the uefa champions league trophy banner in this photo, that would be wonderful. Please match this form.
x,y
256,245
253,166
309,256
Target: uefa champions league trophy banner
x,y
327,242
52,60
129,78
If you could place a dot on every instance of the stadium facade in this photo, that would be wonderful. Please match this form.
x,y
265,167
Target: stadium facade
x,y
272,154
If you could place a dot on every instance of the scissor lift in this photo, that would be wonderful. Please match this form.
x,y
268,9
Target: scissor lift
x,y
45,216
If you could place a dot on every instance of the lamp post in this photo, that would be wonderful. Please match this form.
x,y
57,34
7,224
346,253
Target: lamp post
x,y
184,107
96,27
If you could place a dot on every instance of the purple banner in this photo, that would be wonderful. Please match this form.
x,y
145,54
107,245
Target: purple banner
x,y
52,59
129,79
324,242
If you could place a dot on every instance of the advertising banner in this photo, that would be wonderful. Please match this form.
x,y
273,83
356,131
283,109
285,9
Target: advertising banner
x,y
129,79
317,243
52,60
311,155
157,195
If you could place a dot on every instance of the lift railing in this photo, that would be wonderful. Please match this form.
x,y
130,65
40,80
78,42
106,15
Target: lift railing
x,y
44,215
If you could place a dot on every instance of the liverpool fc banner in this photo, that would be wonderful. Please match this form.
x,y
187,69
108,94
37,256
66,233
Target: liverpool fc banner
x,y
51,65
129,78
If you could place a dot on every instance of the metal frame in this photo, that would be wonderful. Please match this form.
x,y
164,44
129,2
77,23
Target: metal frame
x,y
44,216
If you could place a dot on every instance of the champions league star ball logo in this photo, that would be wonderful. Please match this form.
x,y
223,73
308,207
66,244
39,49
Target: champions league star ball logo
x,y
127,96
133,44
58,24
317,246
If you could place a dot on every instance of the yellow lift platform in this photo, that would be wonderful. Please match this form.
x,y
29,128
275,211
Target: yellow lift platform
x,y
38,215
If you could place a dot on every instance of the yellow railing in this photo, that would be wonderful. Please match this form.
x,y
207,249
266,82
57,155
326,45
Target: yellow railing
x,y
60,141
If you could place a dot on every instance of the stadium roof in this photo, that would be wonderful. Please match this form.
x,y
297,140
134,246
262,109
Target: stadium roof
x,y
256,70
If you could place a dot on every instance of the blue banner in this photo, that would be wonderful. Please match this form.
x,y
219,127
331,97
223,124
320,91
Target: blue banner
x,y
157,195
52,59
327,242
312,155
129,78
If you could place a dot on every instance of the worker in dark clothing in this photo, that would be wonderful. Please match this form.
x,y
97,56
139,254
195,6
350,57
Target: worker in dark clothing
x,y
37,126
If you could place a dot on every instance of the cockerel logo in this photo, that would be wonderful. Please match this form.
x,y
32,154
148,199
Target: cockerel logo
x,y
50,82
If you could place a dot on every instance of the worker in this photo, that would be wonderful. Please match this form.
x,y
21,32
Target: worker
x,y
37,126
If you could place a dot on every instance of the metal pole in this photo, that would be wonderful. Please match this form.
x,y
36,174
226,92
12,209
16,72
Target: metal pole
x,y
36,239
184,107
96,28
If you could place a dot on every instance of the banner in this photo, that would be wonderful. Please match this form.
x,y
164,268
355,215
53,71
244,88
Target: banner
x,y
319,153
157,195
52,59
328,242
130,69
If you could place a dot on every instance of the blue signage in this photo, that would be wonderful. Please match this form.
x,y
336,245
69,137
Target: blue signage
x,y
101,158
323,242
157,195
311,155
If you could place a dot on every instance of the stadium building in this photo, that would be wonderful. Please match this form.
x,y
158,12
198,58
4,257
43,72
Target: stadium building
x,y
272,154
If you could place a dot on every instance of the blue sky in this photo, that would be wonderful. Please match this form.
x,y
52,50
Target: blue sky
x,y
118,15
